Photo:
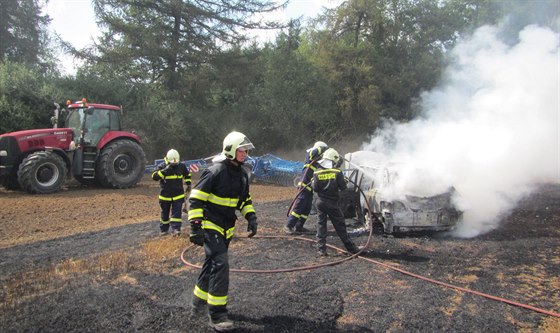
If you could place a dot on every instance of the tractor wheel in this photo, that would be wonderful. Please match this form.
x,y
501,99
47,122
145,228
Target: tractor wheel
x,y
42,172
121,164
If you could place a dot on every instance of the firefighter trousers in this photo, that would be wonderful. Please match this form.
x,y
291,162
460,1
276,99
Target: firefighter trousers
x,y
300,209
213,282
330,209
173,206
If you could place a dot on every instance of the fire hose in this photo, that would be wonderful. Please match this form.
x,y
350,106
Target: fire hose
x,y
294,269
359,256
303,185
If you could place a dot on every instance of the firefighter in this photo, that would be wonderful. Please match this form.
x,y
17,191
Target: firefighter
x,y
171,174
222,189
327,182
301,206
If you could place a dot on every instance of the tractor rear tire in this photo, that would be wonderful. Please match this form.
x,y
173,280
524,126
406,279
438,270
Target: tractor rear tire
x,y
42,172
121,164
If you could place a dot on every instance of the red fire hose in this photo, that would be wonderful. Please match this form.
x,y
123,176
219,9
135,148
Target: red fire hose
x,y
357,255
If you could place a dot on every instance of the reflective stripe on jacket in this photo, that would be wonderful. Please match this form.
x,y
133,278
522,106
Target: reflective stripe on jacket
x,y
222,189
171,181
327,183
310,166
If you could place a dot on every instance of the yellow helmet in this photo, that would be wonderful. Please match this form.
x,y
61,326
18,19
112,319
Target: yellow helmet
x,y
234,141
331,155
172,157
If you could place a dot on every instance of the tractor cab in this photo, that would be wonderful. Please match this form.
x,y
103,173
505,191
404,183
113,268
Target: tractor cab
x,y
90,123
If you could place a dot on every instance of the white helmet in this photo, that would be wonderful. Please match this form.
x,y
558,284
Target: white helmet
x,y
234,141
172,157
331,155
320,144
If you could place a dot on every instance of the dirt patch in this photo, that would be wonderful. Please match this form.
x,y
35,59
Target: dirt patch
x,y
78,209
89,260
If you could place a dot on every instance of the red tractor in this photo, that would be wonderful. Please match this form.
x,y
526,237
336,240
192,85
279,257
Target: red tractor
x,y
87,142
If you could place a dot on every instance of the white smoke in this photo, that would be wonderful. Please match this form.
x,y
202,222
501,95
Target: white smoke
x,y
491,129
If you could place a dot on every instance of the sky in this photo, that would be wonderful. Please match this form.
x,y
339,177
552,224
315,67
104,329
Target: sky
x,y
85,32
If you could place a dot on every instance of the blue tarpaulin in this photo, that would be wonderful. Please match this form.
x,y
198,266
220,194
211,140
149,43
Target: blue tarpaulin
x,y
267,169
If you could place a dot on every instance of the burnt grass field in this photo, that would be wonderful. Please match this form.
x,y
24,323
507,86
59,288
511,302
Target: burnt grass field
x,y
92,260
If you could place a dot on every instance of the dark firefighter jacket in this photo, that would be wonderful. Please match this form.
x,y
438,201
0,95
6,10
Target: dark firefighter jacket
x,y
327,183
222,189
309,167
171,181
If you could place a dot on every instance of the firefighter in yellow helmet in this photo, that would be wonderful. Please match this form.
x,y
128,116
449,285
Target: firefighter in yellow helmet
x,y
301,205
222,189
327,182
171,175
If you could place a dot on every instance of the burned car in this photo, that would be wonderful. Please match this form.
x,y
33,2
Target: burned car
x,y
371,201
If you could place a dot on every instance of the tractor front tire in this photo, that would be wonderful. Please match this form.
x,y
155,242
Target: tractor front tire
x,y
42,172
121,164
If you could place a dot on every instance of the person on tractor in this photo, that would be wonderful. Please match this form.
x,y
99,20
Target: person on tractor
x,y
301,206
222,189
96,125
171,174
328,180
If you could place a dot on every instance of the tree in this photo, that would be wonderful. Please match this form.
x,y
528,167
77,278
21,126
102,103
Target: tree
x,y
25,98
297,102
168,39
23,33
380,55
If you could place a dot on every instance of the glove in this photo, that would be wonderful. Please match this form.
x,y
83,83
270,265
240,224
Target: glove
x,y
197,234
252,226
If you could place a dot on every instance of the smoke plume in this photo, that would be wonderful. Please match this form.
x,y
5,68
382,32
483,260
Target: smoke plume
x,y
490,129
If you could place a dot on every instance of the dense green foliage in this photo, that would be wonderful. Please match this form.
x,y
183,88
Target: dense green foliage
x,y
186,76
165,40
23,33
26,98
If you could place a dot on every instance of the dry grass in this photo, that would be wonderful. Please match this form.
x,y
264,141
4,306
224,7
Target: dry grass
x,y
154,255
56,215
551,325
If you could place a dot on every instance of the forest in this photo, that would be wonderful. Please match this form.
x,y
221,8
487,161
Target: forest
x,y
187,74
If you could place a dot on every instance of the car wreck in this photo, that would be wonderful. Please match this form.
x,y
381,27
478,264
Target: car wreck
x,y
370,201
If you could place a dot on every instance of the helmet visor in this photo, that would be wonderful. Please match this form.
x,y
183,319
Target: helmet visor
x,y
246,145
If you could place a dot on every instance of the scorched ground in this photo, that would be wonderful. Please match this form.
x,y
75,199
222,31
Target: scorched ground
x,y
91,260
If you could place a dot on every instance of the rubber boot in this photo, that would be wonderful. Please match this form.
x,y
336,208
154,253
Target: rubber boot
x,y
222,324
352,248
289,230
164,229
322,251
199,308
300,228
